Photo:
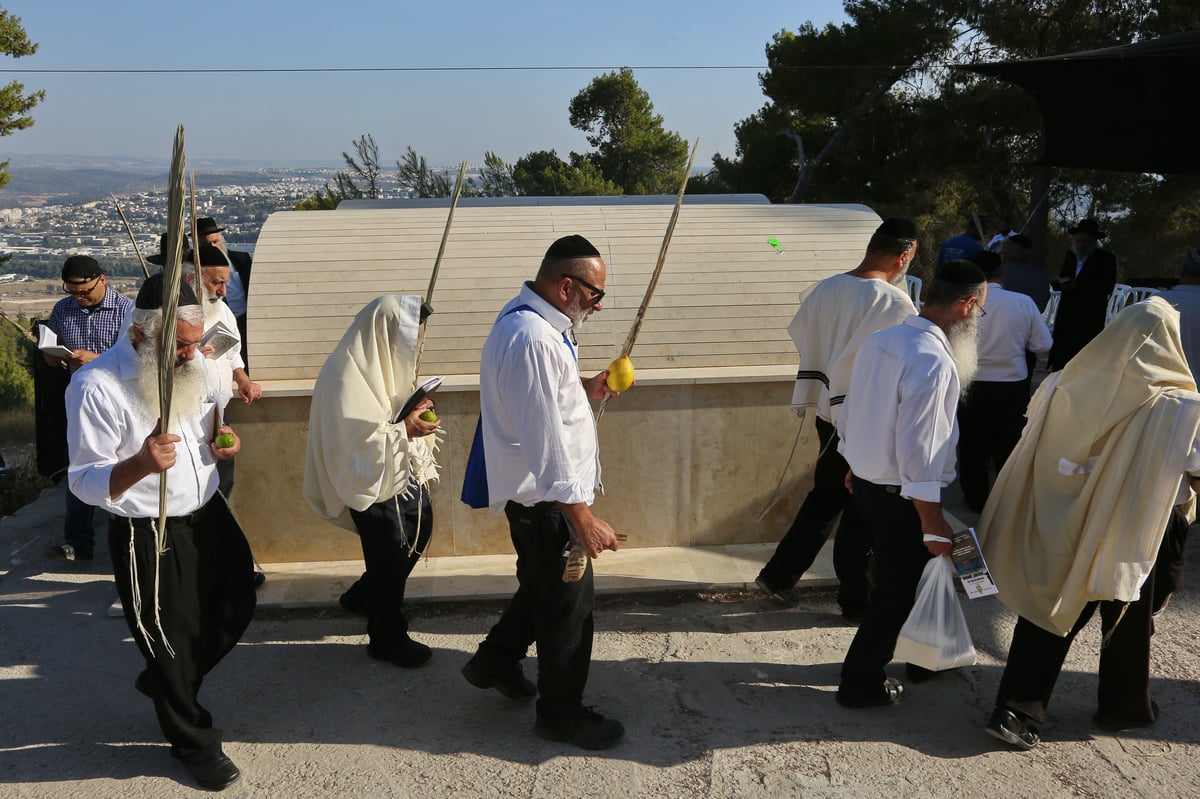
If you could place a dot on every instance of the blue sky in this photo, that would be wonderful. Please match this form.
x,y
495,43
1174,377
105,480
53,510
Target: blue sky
x,y
445,116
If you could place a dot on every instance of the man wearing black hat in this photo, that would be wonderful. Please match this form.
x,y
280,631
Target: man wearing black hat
x,y
188,603
87,323
238,288
898,435
542,470
1086,279
835,317
992,414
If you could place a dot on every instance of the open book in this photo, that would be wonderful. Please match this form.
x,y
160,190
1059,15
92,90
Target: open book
x,y
220,338
48,343
422,391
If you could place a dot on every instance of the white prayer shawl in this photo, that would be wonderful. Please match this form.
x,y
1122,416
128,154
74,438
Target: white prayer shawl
x,y
1079,509
835,316
357,455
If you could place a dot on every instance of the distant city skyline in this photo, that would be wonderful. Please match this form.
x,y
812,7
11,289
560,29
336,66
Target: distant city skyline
x,y
98,104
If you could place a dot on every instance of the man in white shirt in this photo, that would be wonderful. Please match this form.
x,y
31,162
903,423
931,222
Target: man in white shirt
x,y
209,232
1185,298
229,368
992,414
898,435
835,317
187,605
543,469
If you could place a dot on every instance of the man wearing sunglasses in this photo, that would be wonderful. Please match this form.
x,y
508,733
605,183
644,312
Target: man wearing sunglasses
x,y
543,469
87,323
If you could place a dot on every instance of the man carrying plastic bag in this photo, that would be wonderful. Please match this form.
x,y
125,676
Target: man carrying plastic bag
x,y
936,636
898,431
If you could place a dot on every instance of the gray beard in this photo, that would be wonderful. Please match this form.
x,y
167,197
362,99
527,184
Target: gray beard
x,y
189,389
900,281
964,346
577,313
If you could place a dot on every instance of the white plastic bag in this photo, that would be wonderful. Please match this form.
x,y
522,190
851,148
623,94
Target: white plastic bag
x,y
936,635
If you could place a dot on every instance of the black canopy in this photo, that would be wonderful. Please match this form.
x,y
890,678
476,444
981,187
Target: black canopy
x,y
1133,108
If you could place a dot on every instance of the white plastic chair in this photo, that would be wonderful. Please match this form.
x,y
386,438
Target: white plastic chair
x,y
1116,301
914,289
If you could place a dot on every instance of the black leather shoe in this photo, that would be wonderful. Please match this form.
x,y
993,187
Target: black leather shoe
x,y
587,729
1010,728
788,597
213,771
259,578
508,679
890,692
404,652
71,553
354,600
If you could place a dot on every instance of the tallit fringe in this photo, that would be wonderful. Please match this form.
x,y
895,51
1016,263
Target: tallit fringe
x,y
137,590
158,551
1108,634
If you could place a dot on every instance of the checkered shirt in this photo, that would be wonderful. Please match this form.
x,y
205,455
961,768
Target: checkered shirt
x,y
95,329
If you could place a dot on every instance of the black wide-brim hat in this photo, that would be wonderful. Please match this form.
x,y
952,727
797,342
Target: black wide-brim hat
x,y
1090,227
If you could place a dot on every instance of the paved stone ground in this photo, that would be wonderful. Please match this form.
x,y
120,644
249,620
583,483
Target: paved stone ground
x,y
722,695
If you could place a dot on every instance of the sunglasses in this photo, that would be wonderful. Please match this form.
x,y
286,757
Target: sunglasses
x,y
597,294
80,289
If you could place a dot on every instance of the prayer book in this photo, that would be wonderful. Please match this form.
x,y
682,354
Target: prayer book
x,y
48,343
220,338
422,391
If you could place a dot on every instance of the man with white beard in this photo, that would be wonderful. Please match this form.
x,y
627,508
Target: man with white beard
x,y
214,278
188,605
898,433
230,369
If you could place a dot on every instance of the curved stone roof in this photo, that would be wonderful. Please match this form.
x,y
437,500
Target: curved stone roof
x,y
720,310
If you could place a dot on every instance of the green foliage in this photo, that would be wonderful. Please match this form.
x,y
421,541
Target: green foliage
x,y
543,174
632,148
16,378
414,174
15,105
867,112
495,179
320,202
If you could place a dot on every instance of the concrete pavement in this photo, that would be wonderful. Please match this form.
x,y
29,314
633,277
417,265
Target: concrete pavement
x,y
722,695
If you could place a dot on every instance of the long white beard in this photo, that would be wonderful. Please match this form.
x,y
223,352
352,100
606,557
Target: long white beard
x,y
211,304
188,389
964,345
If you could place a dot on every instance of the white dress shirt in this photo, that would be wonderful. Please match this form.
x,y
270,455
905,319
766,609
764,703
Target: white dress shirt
x,y
898,425
539,436
1012,326
230,360
106,425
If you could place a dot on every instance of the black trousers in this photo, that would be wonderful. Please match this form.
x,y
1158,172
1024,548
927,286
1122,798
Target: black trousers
x,y
206,593
394,535
1036,656
900,557
990,420
803,541
555,615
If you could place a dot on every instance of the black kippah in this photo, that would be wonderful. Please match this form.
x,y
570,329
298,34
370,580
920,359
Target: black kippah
x,y
572,247
960,273
150,298
80,268
209,256
898,228
988,261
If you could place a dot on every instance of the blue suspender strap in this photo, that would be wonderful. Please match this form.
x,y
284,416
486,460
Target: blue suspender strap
x,y
475,487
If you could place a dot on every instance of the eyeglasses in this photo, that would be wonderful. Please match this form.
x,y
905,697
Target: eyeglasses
x,y
80,289
597,294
